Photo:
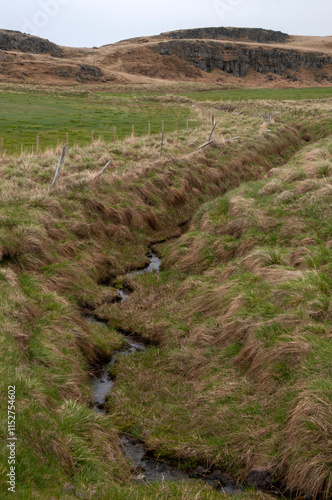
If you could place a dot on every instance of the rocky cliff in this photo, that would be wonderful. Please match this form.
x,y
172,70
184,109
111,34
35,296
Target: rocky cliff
x,y
15,40
238,59
253,34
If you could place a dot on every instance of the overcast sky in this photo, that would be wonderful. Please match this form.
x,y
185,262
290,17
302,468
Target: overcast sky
x,y
87,23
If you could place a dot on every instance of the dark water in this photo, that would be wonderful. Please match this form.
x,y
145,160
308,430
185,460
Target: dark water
x,y
102,384
145,468
153,267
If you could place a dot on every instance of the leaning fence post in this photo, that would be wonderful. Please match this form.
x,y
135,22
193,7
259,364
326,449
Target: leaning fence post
x,y
210,136
57,172
103,170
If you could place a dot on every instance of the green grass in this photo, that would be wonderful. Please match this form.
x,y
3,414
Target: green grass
x,y
62,249
25,115
246,336
261,94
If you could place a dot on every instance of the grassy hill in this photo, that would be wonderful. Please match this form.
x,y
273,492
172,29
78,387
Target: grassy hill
x,y
249,58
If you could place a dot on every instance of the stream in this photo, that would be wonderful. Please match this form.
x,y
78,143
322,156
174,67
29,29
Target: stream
x,y
145,467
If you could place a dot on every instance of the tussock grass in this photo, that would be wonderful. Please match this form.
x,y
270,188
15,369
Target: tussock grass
x,y
243,312
62,249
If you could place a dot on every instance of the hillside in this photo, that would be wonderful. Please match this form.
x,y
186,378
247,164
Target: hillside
x,y
231,56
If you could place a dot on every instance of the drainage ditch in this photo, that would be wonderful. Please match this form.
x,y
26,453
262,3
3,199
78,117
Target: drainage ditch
x,y
146,467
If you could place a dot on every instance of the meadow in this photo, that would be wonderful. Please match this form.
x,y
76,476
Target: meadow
x,y
291,94
51,114
24,115
238,321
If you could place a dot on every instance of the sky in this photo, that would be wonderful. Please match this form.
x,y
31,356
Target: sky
x,y
88,23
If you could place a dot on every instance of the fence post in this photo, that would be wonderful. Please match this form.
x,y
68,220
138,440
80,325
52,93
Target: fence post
x,y
37,145
187,124
162,143
1,148
92,141
57,172
149,129
133,131
67,139
114,134
176,126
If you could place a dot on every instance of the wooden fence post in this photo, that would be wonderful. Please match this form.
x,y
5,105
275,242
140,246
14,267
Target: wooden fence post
x,y
149,129
57,172
162,144
103,170
210,136
92,141
67,140
133,131
37,145
187,127
114,134
176,126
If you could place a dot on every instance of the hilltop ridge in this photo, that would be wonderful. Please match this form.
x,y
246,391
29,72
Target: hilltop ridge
x,y
248,57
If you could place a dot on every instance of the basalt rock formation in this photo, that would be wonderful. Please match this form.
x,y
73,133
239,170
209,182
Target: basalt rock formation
x,y
15,40
253,34
238,59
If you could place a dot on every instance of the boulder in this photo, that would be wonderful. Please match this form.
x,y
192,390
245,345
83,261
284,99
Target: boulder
x,y
259,478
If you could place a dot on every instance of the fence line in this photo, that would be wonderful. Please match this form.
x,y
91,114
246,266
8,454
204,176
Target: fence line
x,y
93,139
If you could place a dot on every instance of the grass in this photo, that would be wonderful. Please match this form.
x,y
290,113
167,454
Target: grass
x,y
24,115
61,251
245,335
261,94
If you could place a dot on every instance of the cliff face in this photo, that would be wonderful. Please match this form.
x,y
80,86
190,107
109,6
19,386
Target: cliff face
x,y
14,40
253,34
239,59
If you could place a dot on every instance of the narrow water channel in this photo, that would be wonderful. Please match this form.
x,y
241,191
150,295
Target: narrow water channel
x,y
145,467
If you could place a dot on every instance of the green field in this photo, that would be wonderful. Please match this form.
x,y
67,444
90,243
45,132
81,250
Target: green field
x,y
51,114
26,115
261,94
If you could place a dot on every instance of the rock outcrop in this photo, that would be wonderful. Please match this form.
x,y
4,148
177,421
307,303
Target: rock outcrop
x,y
238,59
253,34
15,40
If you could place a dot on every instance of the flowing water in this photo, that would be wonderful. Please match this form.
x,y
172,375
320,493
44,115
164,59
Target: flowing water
x,y
145,467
